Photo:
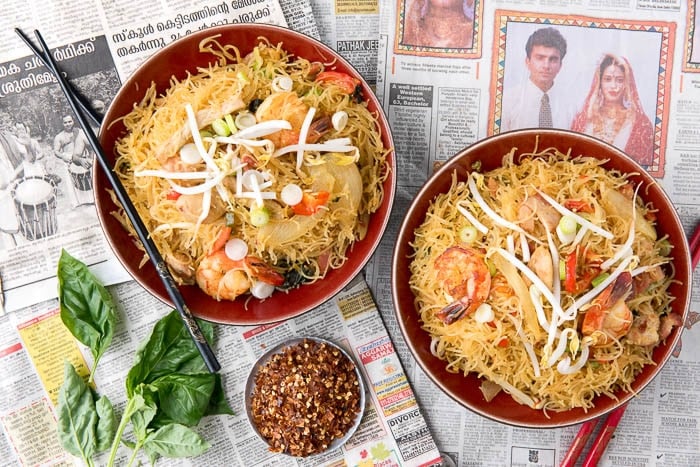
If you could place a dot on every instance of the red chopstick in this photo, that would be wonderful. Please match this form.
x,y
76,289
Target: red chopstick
x,y
695,247
599,443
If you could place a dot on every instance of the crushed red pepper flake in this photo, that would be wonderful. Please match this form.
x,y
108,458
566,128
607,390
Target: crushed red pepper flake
x,y
305,397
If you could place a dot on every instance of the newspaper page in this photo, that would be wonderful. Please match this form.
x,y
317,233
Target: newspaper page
x,y
98,45
34,343
451,72
351,27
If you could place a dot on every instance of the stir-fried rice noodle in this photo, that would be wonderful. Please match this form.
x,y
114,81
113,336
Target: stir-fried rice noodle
x,y
514,311
196,191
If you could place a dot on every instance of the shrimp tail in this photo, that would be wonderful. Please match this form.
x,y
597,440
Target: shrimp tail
x,y
621,289
455,310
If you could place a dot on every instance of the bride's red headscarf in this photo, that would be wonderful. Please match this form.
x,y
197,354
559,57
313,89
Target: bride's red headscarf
x,y
639,145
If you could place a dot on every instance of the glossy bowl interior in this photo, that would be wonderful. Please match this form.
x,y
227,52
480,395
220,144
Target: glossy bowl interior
x,y
176,60
279,348
489,152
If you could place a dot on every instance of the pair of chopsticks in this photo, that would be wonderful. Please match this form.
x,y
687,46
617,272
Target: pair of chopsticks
x,y
613,419
83,112
600,442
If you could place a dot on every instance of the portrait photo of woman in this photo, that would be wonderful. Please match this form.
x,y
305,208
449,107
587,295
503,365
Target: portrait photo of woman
x,y
613,110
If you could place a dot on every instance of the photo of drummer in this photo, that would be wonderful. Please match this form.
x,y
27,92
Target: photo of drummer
x,y
72,147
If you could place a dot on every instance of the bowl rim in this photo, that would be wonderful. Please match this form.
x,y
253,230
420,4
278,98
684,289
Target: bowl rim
x,y
346,273
403,237
279,348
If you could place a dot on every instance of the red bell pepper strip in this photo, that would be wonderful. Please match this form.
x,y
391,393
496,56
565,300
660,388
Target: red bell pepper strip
x,y
570,279
577,205
310,204
172,195
346,82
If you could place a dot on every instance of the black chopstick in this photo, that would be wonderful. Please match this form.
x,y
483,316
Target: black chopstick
x,y
192,326
87,110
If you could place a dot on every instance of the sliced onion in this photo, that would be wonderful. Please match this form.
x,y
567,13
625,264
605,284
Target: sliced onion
x,y
189,154
484,313
626,248
339,120
236,249
261,289
245,120
292,194
282,84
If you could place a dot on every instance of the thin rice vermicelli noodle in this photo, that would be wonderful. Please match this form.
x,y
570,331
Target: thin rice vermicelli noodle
x,y
532,277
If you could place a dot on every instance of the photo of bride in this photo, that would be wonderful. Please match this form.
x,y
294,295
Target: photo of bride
x,y
613,110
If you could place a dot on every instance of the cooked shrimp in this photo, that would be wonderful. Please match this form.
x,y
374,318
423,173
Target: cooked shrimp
x,y
465,276
608,315
225,279
288,106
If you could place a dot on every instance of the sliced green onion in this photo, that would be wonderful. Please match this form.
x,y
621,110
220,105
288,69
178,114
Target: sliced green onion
x,y
259,216
562,270
566,229
665,247
568,224
242,77
228,118
220,127
599,278
492,268
468,234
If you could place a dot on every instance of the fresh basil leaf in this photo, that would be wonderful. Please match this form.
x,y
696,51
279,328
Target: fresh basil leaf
x,y
175,441
218,405
106,424
77,416
87,309
184,399
168,349
144,409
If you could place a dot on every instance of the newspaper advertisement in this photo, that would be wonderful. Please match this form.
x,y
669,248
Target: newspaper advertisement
x,y
34,344
98,46
351,28
454,72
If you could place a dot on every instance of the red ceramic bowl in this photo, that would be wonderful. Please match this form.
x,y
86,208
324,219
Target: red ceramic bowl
x,y
489,152
175,60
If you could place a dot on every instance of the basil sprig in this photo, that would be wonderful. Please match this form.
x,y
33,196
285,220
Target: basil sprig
x,y
168,388
87,309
